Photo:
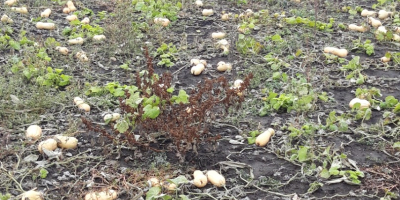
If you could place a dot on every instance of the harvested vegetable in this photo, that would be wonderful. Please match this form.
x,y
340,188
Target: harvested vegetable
x,y
197,69
264,137
161,21
112,117
71,17
215,178
208,12
78,100
46,26
363,103
49,144
45,13
335,51
71,6
222,66
63,50
381,29
78,40
385,59
218,35
103,195
34,132
81,55
32,195
224,45
22,10
383,14
225,16
66,142
354,27
66,10
6,19
85,20
196,61
198,3
367,13
10,2
154,182
374,22
99,37
84,106
200,180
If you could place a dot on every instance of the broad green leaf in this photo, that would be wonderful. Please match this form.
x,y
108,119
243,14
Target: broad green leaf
x,y
183,197
303,152
396,145
153,193
122,126
151,112
178,180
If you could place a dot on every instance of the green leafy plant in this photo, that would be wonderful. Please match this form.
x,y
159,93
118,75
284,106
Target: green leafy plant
x,y
247,44
367,46
6,196
354,67
275,62
167,54
253,135
54,77
311,23
152,8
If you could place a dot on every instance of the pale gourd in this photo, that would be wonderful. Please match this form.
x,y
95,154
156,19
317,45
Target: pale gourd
x,y
215,178
363,103
66,10
385,59
200,180
198,3
103,195
71,6
218,35
112,117
238,83
381,29
71,17
396,37
208,12
22,10
162,21
49,144
374,22
225,17
32,195
85,20
45,13
82,56
78,40
367,13
154,182
354,27
383,14
66,142
84,106
6,19
264,137
222,66
63,50
10,2
33,132
397,30
78,100
224,45
45,25
335,51
197,69
99,37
